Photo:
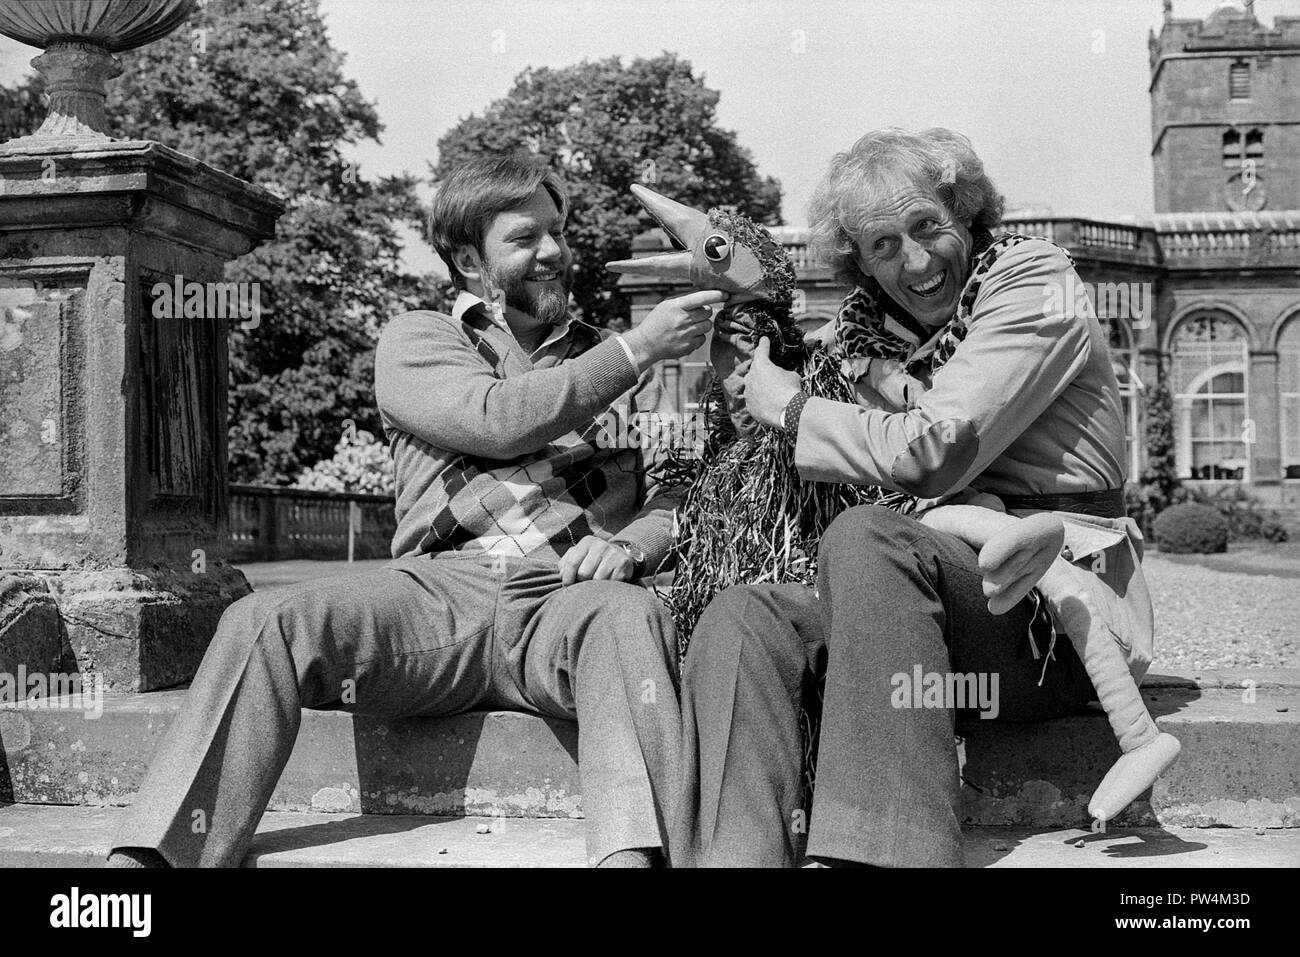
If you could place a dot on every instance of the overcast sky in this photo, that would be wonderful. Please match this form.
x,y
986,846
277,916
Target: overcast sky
x,y
1053,93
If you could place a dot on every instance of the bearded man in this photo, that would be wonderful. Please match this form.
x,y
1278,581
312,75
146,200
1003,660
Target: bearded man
x,y
520,534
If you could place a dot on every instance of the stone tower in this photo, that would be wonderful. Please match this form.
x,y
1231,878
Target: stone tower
x,y
1225,112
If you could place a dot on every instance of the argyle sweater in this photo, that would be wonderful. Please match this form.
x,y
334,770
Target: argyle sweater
x,y
498,452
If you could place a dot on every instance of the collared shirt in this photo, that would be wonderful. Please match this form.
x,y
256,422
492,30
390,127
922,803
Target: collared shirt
x,y
466,301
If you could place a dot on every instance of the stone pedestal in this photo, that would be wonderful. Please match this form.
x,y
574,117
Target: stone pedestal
x,y
113,499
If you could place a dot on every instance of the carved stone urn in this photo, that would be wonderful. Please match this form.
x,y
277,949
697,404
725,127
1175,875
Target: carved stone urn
x,y
79,38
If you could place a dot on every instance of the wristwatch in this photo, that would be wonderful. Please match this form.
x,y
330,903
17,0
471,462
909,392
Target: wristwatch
x,y
635,553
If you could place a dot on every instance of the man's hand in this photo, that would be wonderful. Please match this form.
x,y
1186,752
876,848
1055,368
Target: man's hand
x,y
674,328
768,387
594,559
728,327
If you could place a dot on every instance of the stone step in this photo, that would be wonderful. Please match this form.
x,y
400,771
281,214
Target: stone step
x,y
1240,765
49,836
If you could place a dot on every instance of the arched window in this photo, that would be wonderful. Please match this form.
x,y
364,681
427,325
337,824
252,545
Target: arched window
x,y
1237,150
1232,154
1255,146
1212,430
1123,362
1288,349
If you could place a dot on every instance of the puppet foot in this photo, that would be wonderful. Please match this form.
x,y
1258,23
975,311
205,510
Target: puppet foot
x,y
1132,774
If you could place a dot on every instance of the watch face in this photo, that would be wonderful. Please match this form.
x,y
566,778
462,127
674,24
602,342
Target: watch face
x,y
1245,193
634,553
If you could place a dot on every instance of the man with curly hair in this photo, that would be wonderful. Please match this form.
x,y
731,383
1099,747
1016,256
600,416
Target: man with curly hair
x,y
973,380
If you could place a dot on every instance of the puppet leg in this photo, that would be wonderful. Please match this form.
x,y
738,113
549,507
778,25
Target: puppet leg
x,y
1148,751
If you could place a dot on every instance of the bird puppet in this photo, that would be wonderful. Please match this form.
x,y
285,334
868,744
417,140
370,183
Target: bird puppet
x,y
747,517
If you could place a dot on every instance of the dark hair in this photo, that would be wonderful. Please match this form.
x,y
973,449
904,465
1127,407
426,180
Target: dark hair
x,y
477,191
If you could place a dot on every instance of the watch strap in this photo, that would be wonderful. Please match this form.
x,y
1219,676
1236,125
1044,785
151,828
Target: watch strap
x,y
791,413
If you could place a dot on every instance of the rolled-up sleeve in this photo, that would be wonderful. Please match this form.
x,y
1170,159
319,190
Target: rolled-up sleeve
x,y
1026,341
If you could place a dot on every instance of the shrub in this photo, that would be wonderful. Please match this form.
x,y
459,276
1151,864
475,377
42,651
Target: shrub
x,y
1191,527
1144,500
360,464
1246,515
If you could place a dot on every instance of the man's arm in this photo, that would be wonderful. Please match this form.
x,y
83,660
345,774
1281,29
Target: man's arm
x,y
431,382
1022,350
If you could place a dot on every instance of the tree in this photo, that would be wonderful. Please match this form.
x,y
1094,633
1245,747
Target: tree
x,y
22,108
254,88
604,126
1159,485
1162,465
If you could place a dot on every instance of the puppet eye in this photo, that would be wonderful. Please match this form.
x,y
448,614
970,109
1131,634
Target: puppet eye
x,y
716,248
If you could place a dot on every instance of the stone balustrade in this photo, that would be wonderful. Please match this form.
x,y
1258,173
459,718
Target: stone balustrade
x,y
1214,235
274,524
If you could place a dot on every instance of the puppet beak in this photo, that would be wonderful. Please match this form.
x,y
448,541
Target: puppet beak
x,y
667,267
687,226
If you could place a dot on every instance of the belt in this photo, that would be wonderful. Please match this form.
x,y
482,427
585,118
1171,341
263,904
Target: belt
x,y
1107,503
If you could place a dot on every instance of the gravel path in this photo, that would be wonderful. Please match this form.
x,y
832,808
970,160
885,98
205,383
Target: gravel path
x,y
1206,618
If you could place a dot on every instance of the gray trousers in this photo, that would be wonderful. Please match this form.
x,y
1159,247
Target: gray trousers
x,y
420,637
893,597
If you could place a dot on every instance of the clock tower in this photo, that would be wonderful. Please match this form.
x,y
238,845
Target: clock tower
x,y
1225,112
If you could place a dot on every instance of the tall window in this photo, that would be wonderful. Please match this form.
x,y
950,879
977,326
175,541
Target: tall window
x,y
1288,349
1239,81
1212,413
1122,360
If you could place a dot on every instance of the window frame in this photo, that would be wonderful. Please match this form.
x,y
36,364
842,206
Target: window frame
x,y
1186,398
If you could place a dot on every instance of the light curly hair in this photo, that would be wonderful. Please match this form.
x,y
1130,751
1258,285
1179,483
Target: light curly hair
x,y
858,179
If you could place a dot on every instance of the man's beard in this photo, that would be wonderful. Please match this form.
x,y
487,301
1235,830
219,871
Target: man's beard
x,y
548,304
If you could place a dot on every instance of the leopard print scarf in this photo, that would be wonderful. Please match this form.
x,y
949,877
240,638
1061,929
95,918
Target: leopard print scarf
x,y
860,328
